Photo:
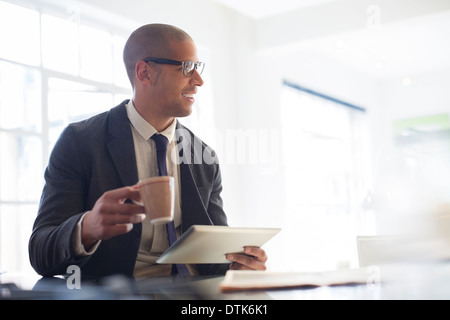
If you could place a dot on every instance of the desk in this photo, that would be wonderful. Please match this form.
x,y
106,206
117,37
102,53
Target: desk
x,y
403,282
168,288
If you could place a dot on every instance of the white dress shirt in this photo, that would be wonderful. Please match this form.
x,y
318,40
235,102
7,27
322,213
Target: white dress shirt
x,y
154,239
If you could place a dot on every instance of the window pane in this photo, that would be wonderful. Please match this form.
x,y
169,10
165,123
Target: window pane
x,y
15,229
60,45
70,101
96,54
20,98
120,74
20,167
324,178
19,34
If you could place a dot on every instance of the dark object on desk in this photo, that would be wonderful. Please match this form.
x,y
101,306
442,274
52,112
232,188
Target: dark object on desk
x,y
115,288
57,288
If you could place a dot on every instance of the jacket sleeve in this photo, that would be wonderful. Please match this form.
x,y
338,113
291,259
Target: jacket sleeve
x,y
60,209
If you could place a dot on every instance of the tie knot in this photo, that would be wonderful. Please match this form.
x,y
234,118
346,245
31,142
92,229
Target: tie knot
x,y
160,141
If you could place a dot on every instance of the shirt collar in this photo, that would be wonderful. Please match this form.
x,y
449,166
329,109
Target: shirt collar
x,y
145,129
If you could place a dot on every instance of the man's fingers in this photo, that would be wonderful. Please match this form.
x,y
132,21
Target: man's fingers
x,y
113,202
120,195
256,252
108,232
243,261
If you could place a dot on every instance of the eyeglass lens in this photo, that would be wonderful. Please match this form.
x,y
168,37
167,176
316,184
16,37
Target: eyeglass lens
x,y
190,66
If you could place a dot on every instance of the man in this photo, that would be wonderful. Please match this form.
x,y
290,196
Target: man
x,y
87,216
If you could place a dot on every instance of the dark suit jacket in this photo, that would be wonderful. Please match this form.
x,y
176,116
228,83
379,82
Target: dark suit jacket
x,y
97,155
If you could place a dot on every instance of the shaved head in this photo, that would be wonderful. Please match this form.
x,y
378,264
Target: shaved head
x,y
150,40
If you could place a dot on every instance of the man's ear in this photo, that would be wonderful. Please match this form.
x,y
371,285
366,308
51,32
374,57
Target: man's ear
x,y
143,72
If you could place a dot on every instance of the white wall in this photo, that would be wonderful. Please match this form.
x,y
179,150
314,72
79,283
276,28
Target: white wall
x,y
427,94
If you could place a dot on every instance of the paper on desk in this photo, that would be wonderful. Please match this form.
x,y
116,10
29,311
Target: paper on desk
x,y
254,280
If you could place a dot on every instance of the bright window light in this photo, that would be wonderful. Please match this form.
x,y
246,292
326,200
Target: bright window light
x,y
20,98
324,154
96,54
19,34
60,44
81,74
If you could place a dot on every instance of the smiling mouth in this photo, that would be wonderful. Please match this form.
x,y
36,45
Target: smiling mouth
x,y
189,96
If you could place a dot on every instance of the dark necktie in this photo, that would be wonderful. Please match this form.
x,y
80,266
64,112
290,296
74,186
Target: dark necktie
x,y
161,148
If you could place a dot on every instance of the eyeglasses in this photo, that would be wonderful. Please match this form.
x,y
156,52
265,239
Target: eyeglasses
x,y
188,66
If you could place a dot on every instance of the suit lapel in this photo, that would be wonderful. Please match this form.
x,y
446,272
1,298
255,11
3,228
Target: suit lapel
x,y
121,145
194,211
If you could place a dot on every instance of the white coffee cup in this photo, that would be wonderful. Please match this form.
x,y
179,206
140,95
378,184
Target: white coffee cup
x,y
158,197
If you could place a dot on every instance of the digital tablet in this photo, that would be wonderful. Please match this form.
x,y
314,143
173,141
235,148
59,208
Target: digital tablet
x,y
209,244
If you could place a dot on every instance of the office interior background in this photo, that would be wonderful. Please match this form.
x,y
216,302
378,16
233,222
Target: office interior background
x,y
330,118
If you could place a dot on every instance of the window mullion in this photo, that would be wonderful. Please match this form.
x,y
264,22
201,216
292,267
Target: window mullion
x,y
44,102
45,122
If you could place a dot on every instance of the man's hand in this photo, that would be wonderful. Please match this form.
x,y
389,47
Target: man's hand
x,y
253,258
111,216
